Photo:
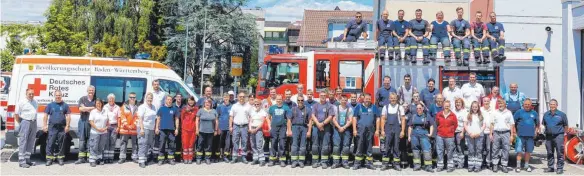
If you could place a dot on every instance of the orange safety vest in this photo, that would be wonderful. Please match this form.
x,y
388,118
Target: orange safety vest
x,y
128,121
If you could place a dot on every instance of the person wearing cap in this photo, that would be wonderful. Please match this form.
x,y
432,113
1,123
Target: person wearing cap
x,y
232,99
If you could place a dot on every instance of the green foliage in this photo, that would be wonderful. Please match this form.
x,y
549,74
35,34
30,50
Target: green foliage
x,y
228,31
6,60
60,35
109,47
252,82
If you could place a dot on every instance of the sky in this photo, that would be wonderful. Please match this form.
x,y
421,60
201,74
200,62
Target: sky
x,y
276,10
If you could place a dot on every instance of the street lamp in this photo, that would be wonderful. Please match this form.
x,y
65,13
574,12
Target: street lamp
x,y
204,47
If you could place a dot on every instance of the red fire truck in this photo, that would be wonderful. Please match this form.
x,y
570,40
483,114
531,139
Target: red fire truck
x,y
359,70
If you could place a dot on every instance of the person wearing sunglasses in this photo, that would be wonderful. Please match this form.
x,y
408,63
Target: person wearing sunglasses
x,y
127,129
300,90
298,127
353,30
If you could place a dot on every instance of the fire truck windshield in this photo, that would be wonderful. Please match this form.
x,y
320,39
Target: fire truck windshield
x,y
282,73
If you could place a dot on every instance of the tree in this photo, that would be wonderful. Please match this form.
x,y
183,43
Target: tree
x,y
60,35
228,31
15,35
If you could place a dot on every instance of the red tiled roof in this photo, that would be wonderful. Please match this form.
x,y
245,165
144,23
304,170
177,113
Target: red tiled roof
x,y
315,25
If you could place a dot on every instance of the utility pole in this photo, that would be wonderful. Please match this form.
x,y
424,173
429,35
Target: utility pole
x,y
204,46
186,49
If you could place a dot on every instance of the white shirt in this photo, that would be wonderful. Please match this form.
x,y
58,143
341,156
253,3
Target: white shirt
x,y
461,115
493,102
148,116
113,112
158,98
475,125
487,118
240,113
27,110
393,110
100,120
472,93
502,120
294,98
452,95
257,117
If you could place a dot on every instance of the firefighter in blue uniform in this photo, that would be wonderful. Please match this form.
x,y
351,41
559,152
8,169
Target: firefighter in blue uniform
x,y
419,35
56,123
401,31
365,124
382,95
496,35
298,124
384,35
342,134
353,30
478,31
440,30
460,32
393,125
322,114
555,122
420,130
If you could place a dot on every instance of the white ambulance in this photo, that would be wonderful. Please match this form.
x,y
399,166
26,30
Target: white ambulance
x,y
72,75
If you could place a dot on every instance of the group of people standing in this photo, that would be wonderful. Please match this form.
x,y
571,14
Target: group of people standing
x,y
438,129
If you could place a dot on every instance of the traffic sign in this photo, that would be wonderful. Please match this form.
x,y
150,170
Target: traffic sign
x,y
236,65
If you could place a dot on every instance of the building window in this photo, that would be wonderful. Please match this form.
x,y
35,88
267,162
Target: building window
x,y
172,88
322,77
350,83
351,75
268,34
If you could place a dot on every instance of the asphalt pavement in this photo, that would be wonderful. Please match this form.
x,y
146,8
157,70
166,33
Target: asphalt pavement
x,y
10,167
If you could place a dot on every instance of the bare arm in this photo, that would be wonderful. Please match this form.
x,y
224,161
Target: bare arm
x,y
349,122
403,124
328,120
335,122
466,33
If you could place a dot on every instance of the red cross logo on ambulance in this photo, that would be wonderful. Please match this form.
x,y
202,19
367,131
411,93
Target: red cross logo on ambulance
x,y
2,84
37,86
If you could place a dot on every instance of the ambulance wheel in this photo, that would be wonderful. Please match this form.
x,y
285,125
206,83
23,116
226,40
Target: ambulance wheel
x,y
42,142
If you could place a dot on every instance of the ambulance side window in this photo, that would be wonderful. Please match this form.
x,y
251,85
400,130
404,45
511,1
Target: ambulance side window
x,y
173,87
119,86
351,75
